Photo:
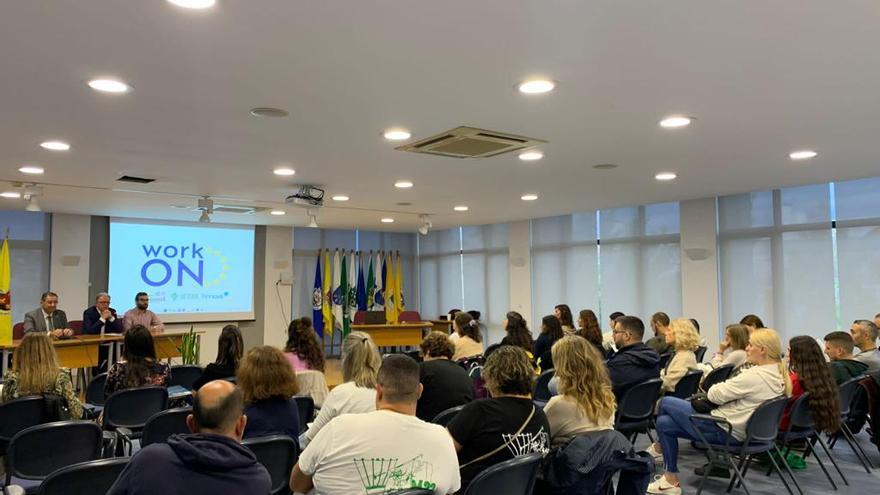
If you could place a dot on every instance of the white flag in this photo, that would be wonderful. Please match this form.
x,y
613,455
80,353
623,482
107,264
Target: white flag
x,y
338,296
379,294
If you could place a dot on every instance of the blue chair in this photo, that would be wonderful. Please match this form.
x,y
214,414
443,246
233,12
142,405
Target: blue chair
x,y
514,477
802,427
35,452
126,412
444,417
687,385
278,454
19,414
664,360
163,424
761,432
716,376
305,406
84,478
848,391
95,397
542,395
700,353
636,409
184,376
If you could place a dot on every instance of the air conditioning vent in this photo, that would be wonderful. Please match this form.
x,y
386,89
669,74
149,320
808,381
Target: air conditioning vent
x,y
469,142
136,180
236,209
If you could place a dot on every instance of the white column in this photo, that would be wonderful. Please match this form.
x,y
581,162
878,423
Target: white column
x,y
699,267
69,265
277,285
520,268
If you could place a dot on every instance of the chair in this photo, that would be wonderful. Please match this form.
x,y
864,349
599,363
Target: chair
x,y
409,316
664,359
305,406
847,393
360,317
801,427
18,331
278,454
95,395
541,394
444,417
687,385
163,424
84,478
76,326
184,376
513,477
761,432
35,452
700,353
716,376
636,409
127,411
19,414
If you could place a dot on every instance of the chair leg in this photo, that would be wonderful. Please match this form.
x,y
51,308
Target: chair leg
x,y
859,446
739,472
847,435
784,459
811,449
781,475
828,453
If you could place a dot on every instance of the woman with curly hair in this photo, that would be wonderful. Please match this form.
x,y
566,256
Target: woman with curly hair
x,y
585,402
563,313
268,385
588,328
810,373
518,333
303,349
683,337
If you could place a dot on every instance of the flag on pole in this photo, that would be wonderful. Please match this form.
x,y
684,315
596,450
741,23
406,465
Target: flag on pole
x,y
371,284
398,287
5,296
379,292
352,285
390,290
327,302
361,287
338,296
318,301
343,291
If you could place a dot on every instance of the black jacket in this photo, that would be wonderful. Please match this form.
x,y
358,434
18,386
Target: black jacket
x,y
92,322
632,364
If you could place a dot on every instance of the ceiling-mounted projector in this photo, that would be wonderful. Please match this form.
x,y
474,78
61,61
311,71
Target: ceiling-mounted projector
x,y
307,196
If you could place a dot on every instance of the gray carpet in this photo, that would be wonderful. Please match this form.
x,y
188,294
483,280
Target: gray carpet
x,y
811,479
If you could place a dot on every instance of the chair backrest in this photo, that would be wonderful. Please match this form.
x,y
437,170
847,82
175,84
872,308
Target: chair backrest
x,y
76,326
444,417
799,415
542,392
18,331
847,393
131,408
95,390
278,454
305,406
513,477
407,316
163,424
664,359
184,375
687,385
763,425
637,403
360,317
36,452
84,478
717,376
700,353
18,414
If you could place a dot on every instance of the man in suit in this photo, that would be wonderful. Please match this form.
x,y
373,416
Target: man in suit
x,y
48,318
101,317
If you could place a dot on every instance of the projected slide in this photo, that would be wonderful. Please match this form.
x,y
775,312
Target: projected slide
x,y
191,272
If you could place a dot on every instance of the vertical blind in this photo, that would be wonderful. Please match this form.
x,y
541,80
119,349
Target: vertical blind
x,y
29,234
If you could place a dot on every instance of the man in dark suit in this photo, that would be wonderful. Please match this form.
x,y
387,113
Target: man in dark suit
x,y
48,318
101,317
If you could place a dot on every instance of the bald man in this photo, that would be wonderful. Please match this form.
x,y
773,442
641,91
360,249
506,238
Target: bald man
x,y
209,461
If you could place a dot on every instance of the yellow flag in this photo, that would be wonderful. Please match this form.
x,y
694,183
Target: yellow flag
x,y
390,290
327,287
398,287
5,299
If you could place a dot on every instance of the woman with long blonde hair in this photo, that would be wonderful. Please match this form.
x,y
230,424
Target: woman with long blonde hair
x,y
586,401
683,337
35,371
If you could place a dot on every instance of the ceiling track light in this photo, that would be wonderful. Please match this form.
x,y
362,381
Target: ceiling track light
x,y
206,204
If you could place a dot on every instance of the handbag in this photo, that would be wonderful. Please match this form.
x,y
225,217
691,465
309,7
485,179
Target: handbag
x,y
503,445
702,404
56,408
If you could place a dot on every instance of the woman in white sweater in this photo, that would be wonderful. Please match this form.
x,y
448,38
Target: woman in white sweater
x,y
737,399
732,349
683,337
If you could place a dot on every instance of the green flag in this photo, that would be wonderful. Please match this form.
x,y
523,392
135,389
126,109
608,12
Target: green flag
x,y
371,285
346,313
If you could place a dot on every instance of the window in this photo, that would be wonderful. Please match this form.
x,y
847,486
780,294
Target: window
x,y
29,234
857,208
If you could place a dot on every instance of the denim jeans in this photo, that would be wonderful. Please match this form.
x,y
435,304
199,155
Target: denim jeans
x,y
673,422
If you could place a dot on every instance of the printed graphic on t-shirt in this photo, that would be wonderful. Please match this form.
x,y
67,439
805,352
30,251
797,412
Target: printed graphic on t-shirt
x,y
380,475
527,443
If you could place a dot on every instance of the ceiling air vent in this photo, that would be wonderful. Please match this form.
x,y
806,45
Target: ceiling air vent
x,y
136,180
236,209
469,142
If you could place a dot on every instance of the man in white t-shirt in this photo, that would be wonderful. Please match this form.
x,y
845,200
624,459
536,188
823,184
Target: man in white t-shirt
x,y
382,451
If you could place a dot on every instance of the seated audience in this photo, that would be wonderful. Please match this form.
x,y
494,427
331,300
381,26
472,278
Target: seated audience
x,y
752,322
450,316
588,328
208,461
608,337
468,342
48,318
683,337
839,348
864,333
35,371
446,384
732,349
357,393
660,326
696,324
139,367
383,451
809,373
517,332
268,384
585,402
489,431
551,331
303,349
634,362
563,313
736,399
230,348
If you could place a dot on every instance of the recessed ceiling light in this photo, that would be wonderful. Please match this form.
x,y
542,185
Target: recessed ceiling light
x,y
277,212
802,154
530,156
284,171
529,197
674,121
109,86
193,4
269,112
403,184
666,176
536,86
10,195
460,208
341,197
604,166
55,145
30,169
388,220
396,134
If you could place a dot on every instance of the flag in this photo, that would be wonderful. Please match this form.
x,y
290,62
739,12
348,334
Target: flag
x,y
327,306
5,295
371,285
379,292
338,296
352,285
343,297
318,301
361,288
390,290
398,287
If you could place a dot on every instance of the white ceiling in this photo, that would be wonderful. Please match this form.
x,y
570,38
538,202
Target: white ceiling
x,y
762,79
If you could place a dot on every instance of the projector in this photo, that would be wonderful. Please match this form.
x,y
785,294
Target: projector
x,y
307,196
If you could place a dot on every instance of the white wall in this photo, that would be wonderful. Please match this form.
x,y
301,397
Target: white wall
x,y
69,263
699,266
